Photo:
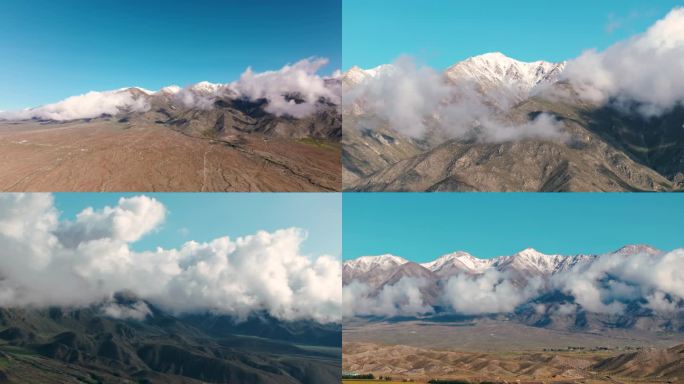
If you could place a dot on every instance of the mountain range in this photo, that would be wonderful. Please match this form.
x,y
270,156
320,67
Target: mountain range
x,y
89,344
597,146
205,137
529,287
212,109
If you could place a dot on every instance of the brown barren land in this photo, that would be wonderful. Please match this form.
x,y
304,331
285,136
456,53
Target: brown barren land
x,y
112,156
498,352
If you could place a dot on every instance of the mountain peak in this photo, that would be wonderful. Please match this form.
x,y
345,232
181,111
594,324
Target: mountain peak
x,y
459,260
633,249
529,252
492,56
495,70
366,263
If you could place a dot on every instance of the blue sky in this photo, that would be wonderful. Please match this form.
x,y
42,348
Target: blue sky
x,y
442,32
206,216
50,50
423,226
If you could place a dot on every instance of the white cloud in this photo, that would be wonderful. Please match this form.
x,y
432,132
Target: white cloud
x,y
417,101
490,292
403,298
89,105
45,261
605,284
645,69
278,87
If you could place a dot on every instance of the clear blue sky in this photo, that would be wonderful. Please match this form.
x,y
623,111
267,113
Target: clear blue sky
x,y
50,49
206,216
442,32
423,226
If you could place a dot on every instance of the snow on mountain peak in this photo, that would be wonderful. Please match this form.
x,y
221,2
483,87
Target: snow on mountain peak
x,y
356,75
634,249
462,261
531,260
366,263
497,69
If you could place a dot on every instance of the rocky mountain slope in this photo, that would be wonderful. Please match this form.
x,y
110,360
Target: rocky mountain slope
x,y
75,345
600,148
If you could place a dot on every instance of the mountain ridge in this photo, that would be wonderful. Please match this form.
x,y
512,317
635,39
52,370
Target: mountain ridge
x,y
589,147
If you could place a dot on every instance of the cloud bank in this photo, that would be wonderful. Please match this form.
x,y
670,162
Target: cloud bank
x,y
605,285
491,292
86,106
646,69
401,299
45,261
294,90
417,101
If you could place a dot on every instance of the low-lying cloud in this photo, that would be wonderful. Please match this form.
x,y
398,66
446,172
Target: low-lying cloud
x,y
294,90
605,285
45,261
645,69
417,101
403,298
490,292
86,106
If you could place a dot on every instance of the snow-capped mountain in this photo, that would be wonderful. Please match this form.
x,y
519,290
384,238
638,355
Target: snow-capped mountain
x,y
632,287
633,249
456,262
493,78
371,269
528,263
495,71
365,264
491,71
356,75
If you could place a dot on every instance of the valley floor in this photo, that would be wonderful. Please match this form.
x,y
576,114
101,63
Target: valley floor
x,y
499,352
103,155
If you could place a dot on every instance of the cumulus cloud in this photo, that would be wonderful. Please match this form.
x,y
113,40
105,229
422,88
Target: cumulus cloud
x,y
645,69
490,292
89,105
403,298
605,285
293,90
417,100
47,261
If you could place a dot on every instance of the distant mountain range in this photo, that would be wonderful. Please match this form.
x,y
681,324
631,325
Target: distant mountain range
x,y
202,108
568,292
602,147
68,345
528,263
